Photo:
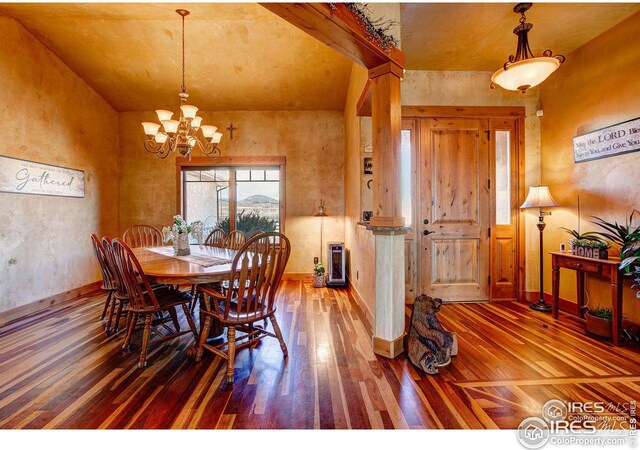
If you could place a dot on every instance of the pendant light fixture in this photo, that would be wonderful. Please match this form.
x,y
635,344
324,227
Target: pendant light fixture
x,y
524,71
182,134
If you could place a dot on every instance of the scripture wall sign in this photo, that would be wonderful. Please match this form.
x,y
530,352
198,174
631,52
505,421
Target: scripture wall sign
x,y
28,177
609,141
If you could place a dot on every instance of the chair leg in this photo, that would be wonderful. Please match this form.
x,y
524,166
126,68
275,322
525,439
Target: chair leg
x,y
190,321
111,314
194,300
276,330
131,324
231,336
145,342
118,316
174,318
203,337
107,302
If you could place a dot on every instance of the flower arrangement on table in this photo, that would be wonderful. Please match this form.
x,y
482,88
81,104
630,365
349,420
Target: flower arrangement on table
x,y
179,232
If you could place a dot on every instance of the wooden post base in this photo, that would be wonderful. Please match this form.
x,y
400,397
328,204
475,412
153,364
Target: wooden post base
x,y
388,349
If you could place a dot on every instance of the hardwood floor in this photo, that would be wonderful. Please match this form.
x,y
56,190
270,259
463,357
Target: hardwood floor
x,y
59,370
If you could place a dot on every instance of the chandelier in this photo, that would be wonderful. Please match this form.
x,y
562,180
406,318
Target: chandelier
x,y
524,71
182,134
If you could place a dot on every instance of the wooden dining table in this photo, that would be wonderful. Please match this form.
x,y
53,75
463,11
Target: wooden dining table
x,y
205,265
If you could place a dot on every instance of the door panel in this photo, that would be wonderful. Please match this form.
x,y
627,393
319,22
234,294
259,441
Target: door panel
x,y
504,211
454,155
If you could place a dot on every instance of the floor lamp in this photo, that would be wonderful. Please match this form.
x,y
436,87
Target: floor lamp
x,y
540,197
322,215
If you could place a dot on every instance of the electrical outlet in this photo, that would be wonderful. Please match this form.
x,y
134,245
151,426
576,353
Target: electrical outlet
x,y
315,260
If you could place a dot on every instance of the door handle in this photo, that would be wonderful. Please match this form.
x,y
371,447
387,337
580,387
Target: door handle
x,y
427,232
425,221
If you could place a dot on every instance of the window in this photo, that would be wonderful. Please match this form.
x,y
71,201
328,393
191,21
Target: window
x,y
503,178
405,182
233,198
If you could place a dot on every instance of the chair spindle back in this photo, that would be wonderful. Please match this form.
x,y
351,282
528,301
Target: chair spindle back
x,y
139,291
142,236
235,240
216,238
107,275
257,271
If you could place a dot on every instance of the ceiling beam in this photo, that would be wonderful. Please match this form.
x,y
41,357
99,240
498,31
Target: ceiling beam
x,y
336,26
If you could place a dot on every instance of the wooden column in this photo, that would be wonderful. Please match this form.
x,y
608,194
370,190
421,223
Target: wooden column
x,y
386,116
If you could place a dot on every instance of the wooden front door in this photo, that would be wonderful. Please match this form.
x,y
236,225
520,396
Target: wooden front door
x,y
454,218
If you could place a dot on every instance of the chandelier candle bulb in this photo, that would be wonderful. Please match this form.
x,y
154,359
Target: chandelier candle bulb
x,y
163,115
208,131
161,138
150,128
170,126
189,111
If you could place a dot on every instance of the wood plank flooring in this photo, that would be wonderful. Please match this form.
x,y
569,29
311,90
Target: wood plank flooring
x,y
59,370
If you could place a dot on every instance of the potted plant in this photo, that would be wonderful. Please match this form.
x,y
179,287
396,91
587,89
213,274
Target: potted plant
x,y
319,278
599,322
619,234
589,244
589,248
630,264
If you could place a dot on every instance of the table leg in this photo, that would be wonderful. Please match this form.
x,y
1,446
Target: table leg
x,y
580,278
555,285
616,304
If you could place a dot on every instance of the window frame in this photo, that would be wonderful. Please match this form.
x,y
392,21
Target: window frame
x,y
233,163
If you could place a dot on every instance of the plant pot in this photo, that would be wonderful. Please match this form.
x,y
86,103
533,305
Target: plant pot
x,y
599,326
590,252
319,281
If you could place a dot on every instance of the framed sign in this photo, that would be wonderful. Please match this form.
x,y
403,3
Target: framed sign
x,y
19,176
609,141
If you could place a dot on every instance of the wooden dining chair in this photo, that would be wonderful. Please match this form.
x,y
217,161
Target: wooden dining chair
x,y
142,236
257,270
235,240
108,281
121,299
216,238
145,302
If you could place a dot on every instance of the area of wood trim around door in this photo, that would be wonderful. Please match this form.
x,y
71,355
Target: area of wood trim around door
x,y
234,161
488,112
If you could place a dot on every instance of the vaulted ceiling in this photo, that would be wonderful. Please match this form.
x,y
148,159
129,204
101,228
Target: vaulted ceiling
x,y
478,36
239,56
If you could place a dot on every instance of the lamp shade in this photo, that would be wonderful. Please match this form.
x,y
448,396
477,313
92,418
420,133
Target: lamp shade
x,y
150,128
321,212
189,111
525,74
208,131
163,114
539,197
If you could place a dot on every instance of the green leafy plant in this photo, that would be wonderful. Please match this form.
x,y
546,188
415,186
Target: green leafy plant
x,y
319,269
588,236
602,313
249,223
630,264
590,244
619,234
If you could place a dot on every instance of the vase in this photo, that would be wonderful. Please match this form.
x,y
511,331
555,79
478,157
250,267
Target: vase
x,y
319,281
181,244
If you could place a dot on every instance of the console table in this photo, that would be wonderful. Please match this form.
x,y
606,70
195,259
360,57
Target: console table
x,y
607,268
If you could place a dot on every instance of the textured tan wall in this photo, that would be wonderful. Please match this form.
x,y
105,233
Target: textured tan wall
x,y
358,239
422,87
312,142
52,116
598,86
